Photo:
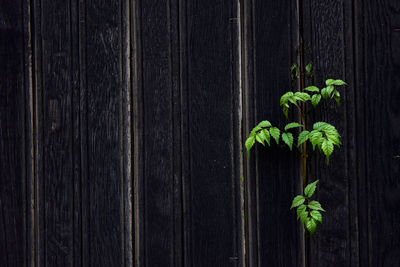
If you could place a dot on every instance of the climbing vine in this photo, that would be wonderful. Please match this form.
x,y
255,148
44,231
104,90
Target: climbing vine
x,y
322,136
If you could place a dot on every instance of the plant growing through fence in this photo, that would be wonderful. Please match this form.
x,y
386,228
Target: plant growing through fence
x,y
322,136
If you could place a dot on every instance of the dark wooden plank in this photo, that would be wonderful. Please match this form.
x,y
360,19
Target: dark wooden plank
x,y
76,91
138,118
210,174
378,114
272,176
15,136
328,44
107,89
56,190
161,134
83,135
29,134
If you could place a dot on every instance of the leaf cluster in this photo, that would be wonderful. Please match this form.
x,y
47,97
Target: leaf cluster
x,y
328,92
263,132
323,136
308,211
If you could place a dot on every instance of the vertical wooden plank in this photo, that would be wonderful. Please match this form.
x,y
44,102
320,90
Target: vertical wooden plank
x,y
56,177
15,135
272,174
328,44
108,133
160,183
138,118
29,134
209,70
83,135
378,114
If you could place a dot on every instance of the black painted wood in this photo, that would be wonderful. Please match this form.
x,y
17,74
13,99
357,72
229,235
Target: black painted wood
x,y
378,61
106,98
56,178
161,125
15,136
273,174
121,126
210,180
328,45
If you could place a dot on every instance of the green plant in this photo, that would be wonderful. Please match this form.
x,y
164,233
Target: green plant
x,y
322,136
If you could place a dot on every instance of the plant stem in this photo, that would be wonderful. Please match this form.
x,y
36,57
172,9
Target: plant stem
x,y
303,113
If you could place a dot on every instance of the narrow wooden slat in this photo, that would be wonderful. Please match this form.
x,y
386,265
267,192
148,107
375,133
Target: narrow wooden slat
x,y
105,131
272,176
15,136
161,128
328,45
56,176
210,99
378,114
76,88
29,260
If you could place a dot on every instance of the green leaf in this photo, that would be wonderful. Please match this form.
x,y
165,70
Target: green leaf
x,y
285,97
312,89
303,136
293,100
329,82
324,93
330,89
332,134
315,99
309,68
259,138
285,111
327,148
255,130
302,96
336,96
288,139
315,205
250,142
264,124
294,71
292,125
304,216
300,209
311,225
321,125
297,201
316,215
310,189
315,138
275,133
266,136
339,82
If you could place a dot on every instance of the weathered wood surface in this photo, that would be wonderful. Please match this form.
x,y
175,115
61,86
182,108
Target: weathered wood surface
x,y
328,45
121,125
378,72
16,235
270,35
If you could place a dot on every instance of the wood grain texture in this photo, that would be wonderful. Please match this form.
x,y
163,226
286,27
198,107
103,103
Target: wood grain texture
x,y
328,44
57,176
107,89
161,129
15,137
378,66
210,182
273,175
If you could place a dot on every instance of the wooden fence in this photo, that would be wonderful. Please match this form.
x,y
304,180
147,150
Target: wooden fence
x,y
122,127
